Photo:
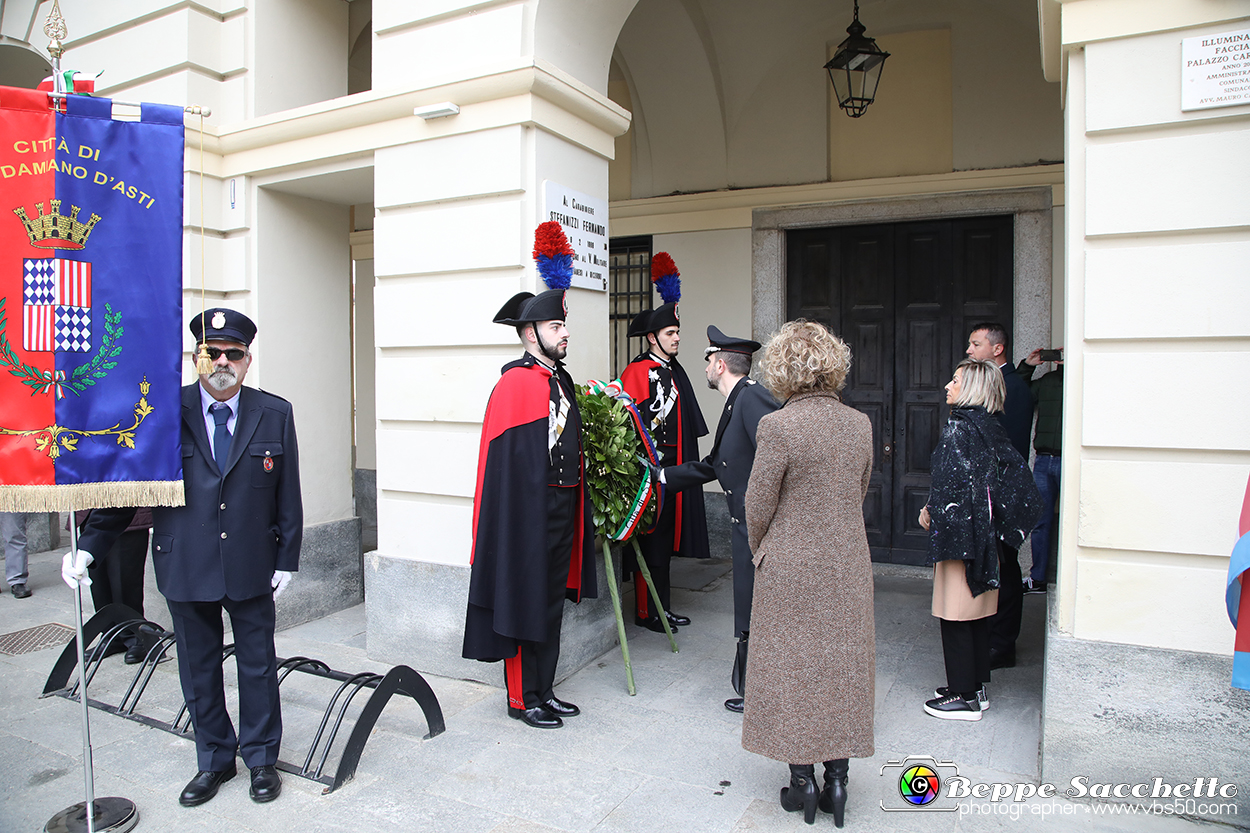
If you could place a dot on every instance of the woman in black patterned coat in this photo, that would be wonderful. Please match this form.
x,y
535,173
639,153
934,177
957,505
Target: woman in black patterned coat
x,y
981,497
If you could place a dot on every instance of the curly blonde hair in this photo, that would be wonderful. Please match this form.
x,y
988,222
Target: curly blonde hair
x,y
804,357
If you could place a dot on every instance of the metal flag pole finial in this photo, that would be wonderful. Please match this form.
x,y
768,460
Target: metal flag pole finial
x,y
56,30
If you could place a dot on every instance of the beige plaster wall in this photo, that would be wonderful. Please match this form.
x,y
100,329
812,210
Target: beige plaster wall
x,y
911,130
299,53
303,316
1157,341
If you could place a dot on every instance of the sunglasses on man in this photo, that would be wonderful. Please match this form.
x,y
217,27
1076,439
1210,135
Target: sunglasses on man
x,y
233,354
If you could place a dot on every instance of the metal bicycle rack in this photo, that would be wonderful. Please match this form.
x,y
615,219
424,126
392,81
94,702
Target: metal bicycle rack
x,y
117,621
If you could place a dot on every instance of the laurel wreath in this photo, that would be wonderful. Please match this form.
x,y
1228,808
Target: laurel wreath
x,y
57,438
612,446
83,376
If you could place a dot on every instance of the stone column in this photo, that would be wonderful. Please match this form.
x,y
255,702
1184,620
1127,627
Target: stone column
x,y
456,210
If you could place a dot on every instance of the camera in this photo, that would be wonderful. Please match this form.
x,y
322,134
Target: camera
x,y
917,783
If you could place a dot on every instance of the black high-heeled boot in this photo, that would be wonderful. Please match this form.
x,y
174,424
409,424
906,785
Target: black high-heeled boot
x,y
801,794
833,796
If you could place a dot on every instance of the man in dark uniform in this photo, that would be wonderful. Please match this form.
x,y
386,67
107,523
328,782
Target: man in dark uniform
x,y
533,535
728,364
988,342
233,546
665,399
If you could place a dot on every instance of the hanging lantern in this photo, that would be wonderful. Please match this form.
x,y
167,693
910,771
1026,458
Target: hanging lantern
x,y
855,69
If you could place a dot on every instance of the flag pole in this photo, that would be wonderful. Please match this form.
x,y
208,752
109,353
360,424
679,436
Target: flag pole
x,y
113,814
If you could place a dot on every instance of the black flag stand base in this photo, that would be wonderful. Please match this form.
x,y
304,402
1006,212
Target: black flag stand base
x,y
116,815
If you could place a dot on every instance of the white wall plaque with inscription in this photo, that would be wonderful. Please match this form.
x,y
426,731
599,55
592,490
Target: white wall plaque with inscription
x,y
585,223
1215,70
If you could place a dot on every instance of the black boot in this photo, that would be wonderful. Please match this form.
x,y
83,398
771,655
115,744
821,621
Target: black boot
x,y
802,792
833,796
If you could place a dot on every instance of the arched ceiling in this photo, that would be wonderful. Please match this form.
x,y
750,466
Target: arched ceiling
x,y
732,93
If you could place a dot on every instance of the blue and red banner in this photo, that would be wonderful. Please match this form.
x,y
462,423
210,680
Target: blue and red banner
x,y
90,304
1238,602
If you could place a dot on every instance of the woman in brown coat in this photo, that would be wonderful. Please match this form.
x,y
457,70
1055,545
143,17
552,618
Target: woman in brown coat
x,y
810,692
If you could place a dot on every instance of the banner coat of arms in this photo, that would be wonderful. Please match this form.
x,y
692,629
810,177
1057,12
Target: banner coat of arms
x,y
90,304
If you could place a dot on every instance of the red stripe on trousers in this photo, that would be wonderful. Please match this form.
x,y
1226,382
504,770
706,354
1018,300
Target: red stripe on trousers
x,y
512,675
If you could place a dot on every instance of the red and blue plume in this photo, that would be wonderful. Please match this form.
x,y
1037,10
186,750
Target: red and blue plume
x,y
666,278
554,255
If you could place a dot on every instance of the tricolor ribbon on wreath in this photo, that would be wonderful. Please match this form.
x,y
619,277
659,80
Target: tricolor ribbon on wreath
x,y
90,303
647,488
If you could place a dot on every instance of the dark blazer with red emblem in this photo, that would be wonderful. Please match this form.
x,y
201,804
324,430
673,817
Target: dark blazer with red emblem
x,y
234,531
507,586
690,535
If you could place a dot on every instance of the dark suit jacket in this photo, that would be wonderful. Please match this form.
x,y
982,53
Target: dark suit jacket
x,y
233,532
734,450
1017,413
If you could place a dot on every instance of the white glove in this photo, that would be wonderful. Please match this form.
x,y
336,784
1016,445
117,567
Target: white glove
x,y
74,569
281,578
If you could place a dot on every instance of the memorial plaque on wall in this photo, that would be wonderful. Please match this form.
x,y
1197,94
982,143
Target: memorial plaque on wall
x,y
1215,70
585,223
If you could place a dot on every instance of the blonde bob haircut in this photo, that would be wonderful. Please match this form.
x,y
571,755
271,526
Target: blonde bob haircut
x,y
805,357
981,384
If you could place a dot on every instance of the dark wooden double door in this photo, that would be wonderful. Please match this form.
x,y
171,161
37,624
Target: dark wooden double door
x,y
903,296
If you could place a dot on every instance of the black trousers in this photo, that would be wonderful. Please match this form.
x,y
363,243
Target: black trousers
x,y
199,632
1005,624
657,551
530,676
966,649
118,577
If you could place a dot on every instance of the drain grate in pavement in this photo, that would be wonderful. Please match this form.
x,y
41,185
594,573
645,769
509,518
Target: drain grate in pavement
x,y
35,639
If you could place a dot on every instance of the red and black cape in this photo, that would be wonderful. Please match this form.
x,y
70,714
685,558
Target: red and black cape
x,y
507,587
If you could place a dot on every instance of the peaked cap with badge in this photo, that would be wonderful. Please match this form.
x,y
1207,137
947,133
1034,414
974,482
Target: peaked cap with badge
x,y
718,342
221,324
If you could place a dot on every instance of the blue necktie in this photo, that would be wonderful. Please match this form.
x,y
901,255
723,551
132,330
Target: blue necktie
x,y
221,434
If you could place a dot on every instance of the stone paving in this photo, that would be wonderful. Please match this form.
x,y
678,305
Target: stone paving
x,y
667,759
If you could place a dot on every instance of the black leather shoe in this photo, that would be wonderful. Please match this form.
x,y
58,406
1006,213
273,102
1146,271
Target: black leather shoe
x,y
117,646
204,786
676,620
136,653
266,783
560,708
1002,659
652,623
21,591
537,717
735,705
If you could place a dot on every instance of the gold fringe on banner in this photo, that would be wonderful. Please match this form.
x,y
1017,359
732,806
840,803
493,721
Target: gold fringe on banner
x,y
62,498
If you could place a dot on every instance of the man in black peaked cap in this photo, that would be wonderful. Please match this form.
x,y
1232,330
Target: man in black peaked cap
x,y
733,454
232,547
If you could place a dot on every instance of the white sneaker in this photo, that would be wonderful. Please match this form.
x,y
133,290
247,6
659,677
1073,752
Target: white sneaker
x,y
982,697
953,707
